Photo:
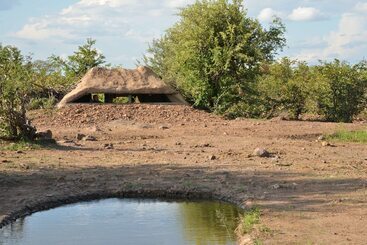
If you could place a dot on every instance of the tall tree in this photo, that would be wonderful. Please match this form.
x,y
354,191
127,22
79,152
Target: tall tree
x,y
85,58
214,52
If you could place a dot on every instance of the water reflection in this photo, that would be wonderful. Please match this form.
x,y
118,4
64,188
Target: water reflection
x,y
209,222
127,221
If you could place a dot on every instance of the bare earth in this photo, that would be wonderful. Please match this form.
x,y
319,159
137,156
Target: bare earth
x,y
308,193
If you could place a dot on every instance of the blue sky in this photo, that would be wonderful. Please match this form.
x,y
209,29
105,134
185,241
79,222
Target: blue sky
x,y
316,29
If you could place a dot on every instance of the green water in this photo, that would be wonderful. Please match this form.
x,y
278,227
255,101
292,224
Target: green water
x,y
127,221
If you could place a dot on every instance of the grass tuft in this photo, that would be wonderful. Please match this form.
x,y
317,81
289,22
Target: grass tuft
x,y
359,136
24,145
248,220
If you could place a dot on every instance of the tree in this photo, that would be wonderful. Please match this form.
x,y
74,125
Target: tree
x,y
76,65
214,52
16,79
340,91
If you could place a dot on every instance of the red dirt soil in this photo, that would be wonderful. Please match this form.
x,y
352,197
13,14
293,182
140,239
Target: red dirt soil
x,y
308,193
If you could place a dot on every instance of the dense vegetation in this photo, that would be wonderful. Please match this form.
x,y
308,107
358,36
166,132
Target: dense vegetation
x,y
27,84
220,59
223,61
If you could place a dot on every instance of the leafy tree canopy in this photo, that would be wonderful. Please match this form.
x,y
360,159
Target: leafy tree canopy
x,y
214,52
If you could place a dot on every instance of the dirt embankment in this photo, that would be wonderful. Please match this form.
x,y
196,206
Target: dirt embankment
x,y
308,193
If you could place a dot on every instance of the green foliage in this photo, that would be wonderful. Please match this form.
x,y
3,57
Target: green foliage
x,y
359,136
213,53
340,90
285,86
121,100
76,65
21,145
248,221
42,103
16,80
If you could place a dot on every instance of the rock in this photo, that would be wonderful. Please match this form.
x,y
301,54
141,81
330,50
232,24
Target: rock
x,y
44,135
261,152
275,187
79,136
19,152
212,157
163,127
275,159
89,138
108,146
325,143
321,138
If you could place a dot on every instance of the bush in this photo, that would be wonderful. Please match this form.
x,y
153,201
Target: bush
x,y
16,78
285,86
340,90
42,103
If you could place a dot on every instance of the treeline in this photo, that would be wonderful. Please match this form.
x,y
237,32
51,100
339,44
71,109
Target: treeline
x,y
333,91
224,61
217,57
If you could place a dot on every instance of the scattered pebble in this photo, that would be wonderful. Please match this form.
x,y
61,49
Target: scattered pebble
x,y
212,157
261,152
79,136
89,138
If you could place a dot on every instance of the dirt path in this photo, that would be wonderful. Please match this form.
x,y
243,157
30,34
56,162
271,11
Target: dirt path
x,y
308,193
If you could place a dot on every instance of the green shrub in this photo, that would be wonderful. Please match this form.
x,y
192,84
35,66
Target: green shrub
x,y
16,79
285,86
340,90
42,103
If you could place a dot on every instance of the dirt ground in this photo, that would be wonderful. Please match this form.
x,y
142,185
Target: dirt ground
x,y
308,193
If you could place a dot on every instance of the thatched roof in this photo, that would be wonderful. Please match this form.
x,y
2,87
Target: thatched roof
x,y
122,82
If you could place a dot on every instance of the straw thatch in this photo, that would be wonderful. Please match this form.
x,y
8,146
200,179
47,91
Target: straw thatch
x,y
119,81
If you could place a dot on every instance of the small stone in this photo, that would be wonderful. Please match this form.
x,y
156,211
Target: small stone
x,y
261,152
108,146
321,138
89,138
325,143
44,135
79,136
275,187
275,159
163,127
19,152
212,157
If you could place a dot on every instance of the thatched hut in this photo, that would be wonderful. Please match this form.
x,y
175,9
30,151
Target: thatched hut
x,y
141,85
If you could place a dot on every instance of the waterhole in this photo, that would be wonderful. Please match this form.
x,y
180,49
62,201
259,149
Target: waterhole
x,y
128,221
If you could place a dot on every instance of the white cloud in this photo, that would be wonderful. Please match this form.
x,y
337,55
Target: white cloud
x,y
268,14
347,42
90,18
361,7
306,14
